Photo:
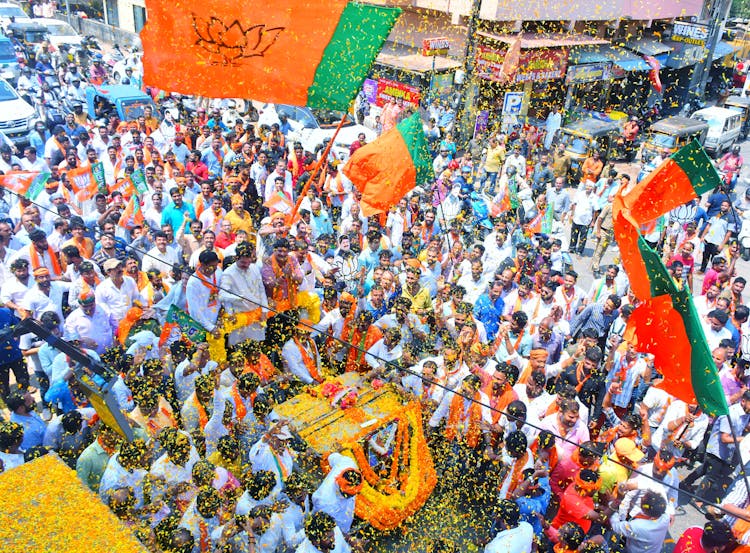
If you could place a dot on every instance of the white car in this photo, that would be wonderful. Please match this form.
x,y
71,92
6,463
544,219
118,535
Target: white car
x,y
60,32
8,10
17,117
312,126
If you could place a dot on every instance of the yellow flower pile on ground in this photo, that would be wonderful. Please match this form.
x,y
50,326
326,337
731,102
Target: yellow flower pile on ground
x,y
44,507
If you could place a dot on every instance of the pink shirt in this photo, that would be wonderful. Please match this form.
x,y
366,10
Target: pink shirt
x,y
577,435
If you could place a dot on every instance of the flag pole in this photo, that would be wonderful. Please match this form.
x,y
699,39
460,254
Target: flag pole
x,y
737,449
323,160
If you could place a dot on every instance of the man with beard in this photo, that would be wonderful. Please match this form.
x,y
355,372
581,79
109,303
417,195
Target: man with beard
x,y
22,407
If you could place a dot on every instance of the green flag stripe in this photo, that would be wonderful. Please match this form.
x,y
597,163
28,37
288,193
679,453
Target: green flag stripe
x,y
694,160
359,36
703,374
412,132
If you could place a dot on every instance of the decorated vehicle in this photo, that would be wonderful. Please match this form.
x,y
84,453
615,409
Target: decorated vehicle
x,y
126,101
377,428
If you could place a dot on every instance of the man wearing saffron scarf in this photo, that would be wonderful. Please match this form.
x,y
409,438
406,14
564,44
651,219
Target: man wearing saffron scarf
x,y
465,417
300,354
199,406
577,503
337,493
203,291
242,292
40,254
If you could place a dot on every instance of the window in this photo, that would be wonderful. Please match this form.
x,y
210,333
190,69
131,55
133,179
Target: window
x,y
139,18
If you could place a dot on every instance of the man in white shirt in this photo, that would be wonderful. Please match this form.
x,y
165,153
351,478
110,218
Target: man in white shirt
x,y
515,535
242,292
203,291
161,257
117,292
582,214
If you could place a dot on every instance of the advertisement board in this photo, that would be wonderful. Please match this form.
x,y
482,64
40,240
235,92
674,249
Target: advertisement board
x,y
536,64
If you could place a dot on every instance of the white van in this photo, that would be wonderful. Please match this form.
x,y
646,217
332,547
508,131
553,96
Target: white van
x,y
724,126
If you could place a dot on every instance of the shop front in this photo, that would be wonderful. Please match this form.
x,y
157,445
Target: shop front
x,y
605,78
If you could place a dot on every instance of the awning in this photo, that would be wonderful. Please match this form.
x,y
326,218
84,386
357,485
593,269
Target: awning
x,y
544,40
604,53
723,49
407,59
648,47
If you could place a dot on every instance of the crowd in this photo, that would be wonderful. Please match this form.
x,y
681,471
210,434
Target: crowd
x,y
463,297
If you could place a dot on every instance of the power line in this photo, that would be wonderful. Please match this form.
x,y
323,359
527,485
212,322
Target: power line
x,y
392,365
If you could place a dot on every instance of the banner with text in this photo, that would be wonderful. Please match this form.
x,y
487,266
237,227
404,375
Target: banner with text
x,y
536,64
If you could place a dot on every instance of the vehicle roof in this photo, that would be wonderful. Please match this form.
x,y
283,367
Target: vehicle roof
x,y
50,21
677,123
591,125
324,427
27,24
716,111
120,91
738,100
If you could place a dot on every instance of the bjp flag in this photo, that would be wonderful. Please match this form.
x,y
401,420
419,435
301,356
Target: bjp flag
x,y
83,182
281,51
18,182
387,168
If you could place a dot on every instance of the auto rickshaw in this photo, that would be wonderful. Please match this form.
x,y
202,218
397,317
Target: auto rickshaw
x,y
672,133
585,135
126,101
742,105
378,428
28,32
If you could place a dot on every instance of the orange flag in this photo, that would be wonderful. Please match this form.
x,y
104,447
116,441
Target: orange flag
x,y
279,202
83,183
281,51
18,182
133,215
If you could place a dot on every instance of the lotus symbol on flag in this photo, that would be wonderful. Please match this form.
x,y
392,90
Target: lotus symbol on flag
x,y
232,42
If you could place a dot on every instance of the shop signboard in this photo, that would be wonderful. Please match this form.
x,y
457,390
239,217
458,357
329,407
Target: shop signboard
x,y
512,103
690,33
388,90
436,46
536,64
442,83
589,72
483,120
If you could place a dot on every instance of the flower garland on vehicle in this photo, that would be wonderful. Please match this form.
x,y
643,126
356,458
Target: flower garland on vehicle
x,y
388,507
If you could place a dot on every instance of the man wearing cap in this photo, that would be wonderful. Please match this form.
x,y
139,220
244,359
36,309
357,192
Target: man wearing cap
x,y
39,254
616,468
117,292
242,291
514,534
203,291
93,325
44,296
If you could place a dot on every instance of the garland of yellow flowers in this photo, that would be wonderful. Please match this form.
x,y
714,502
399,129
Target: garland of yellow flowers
x,y
387,508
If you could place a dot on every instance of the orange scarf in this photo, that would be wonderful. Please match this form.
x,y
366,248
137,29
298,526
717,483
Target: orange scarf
x,y
455,416
205,544
238,403
282,303
36,260
310,364
264,369
517,474
202,415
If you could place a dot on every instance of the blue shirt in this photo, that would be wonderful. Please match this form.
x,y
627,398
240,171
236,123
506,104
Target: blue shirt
x,y
173,216
531,506
33,429
9,350
489,313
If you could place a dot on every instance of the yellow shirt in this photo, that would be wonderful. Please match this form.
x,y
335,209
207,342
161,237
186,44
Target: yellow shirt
x,y
243,222
495,158
421,300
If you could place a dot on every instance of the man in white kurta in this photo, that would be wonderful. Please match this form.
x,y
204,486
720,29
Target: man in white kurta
x,y
242,291
203,291
329,497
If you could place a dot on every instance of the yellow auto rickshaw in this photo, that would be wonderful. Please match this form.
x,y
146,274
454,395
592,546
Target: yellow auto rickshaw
x,y
672,133
582,137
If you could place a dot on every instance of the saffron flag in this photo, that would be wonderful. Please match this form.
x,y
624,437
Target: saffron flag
x,y
281,51
83,182
19,182
386,169
133,215
666,323
279,202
